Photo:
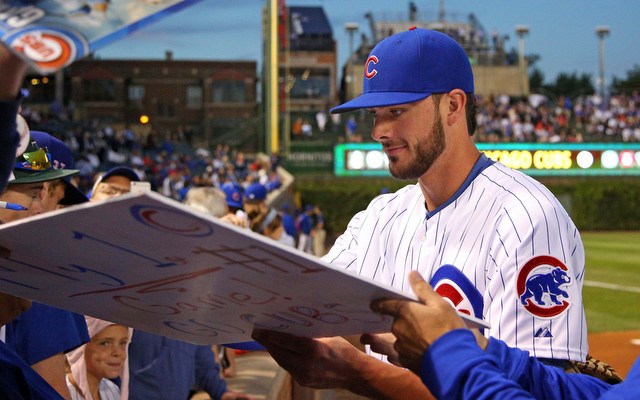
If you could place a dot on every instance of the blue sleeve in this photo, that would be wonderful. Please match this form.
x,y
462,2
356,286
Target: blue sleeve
x,y
541,380
454,367
9,139
208,373
44,331
629,389
19,381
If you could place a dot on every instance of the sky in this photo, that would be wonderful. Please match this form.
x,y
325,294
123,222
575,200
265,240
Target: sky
x,y
562,32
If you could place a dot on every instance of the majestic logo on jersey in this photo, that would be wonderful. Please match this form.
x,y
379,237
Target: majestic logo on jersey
x,y
543,333
450,283
370,72
540,285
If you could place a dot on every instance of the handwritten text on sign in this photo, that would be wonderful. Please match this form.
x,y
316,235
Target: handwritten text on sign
x,y
154,264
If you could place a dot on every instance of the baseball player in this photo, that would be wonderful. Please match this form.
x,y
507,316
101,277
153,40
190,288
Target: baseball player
x,y
493,241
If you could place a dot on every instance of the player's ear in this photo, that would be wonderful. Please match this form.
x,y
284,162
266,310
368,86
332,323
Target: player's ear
x,y
456,102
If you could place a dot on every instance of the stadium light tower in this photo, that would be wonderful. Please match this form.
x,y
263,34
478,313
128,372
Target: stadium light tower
x,y
602,32
522,31
351,28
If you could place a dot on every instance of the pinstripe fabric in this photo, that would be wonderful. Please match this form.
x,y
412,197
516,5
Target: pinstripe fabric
x,y
497,221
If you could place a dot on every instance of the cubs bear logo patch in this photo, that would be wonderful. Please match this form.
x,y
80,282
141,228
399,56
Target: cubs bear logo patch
x,y
541,285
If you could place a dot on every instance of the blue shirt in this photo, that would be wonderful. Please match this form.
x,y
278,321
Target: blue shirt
x,y
455,367
44,331
163,368
19,381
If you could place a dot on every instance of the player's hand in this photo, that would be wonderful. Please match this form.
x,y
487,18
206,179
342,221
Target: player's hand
x,y
327,363
418,324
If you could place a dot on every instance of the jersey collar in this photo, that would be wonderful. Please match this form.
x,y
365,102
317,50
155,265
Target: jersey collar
x,y
482,163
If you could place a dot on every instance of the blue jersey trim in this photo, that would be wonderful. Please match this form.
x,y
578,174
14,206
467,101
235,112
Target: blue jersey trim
x,y
480,165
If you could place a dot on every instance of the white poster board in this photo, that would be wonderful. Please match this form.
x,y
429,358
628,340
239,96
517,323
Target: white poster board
x,y
154,264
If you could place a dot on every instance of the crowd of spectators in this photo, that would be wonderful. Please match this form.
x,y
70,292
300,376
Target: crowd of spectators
x,y
173,168
537,119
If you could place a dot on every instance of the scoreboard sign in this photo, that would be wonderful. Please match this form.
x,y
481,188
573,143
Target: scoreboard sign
x,y
536,159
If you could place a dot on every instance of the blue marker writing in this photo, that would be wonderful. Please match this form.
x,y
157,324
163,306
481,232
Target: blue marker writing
x,y
12,206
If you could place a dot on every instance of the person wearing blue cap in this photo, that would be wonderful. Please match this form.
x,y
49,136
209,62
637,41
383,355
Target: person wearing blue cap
x,y
234,194
42,334
480,232
115,182
255,205
61,192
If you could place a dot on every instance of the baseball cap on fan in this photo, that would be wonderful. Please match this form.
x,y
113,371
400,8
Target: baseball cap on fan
x,y
411,66
36,165
61,158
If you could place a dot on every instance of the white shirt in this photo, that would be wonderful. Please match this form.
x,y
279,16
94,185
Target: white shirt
x,y
108,390
502,249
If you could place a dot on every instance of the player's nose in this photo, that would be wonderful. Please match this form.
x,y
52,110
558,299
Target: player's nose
x,y
382,129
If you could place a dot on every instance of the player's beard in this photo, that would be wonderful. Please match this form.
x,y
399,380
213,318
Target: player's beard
x,y
426,153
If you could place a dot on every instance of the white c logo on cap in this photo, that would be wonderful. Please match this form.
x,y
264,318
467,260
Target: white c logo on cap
x,y
370,74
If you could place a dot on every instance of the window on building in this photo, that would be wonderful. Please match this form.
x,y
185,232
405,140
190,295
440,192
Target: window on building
x,y
166,110
309,83
99,90
223,126
136,92
228,92
194,97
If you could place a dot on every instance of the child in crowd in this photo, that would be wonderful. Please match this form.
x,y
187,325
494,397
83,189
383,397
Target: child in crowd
x,y
93,365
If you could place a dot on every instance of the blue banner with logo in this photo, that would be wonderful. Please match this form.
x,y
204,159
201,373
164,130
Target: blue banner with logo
x,y
51,34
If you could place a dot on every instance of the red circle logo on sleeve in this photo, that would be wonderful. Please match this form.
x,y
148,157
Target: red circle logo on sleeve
x,y
541,285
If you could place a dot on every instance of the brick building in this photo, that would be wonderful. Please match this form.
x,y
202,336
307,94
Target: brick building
x,y
209,100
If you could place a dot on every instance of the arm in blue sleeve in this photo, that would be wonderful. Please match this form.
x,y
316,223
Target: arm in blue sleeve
x,y
208,373
454,367
541,380
9,139
629,389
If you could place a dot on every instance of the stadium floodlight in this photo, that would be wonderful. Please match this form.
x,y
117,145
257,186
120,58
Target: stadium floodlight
x,y
602,32
522,31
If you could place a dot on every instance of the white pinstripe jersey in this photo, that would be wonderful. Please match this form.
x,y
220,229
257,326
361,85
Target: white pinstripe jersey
x,y
502,249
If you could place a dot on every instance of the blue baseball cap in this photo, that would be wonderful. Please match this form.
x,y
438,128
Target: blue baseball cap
x,y
127,172
255,192
410,66
233,192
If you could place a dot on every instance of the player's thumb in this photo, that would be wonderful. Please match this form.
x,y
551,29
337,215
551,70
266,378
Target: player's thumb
x,y
420,287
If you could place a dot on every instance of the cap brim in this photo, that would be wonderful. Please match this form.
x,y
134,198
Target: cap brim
x,y
72,195
23,176
234,204
379,99
121,171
